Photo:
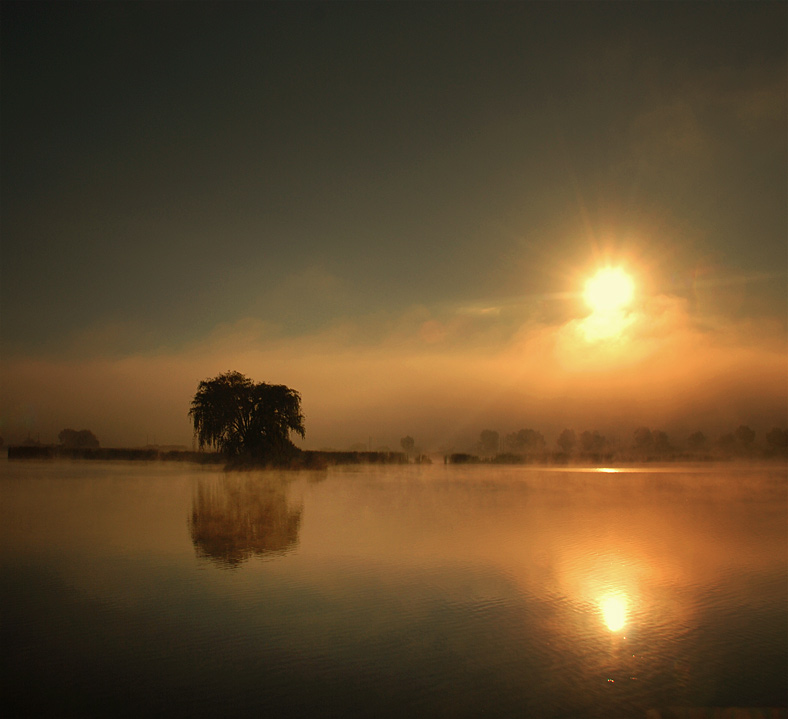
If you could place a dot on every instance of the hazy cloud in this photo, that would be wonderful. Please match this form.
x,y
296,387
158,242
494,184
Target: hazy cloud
x,y
438,378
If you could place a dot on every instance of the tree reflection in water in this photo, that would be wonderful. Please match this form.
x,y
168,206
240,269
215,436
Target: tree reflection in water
x,y
235,517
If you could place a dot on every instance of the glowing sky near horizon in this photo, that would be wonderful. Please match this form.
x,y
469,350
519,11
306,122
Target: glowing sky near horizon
x,y
393,208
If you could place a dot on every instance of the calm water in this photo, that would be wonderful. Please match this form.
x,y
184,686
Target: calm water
x,y
132,589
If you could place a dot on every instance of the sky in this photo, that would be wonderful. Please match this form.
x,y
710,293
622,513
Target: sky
x,y
393,208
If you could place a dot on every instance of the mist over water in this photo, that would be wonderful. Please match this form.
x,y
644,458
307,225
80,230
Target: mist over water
x,y
151,589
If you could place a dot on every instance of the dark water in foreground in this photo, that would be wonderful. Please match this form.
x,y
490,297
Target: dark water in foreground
x,y
133,589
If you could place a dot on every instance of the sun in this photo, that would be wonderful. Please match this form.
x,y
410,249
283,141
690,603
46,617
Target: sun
x,y
609,290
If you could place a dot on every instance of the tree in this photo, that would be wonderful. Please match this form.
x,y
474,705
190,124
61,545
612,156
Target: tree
x,y
661,442
526,440
407,443
567,441
247,420
696,441
644,440
82,439
745,435
488,439
592,442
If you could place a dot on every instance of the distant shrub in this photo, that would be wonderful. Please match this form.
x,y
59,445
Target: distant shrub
x,y
462,458
78,439
508,458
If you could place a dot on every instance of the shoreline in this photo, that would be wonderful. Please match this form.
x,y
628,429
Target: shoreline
x,y
316,459
305,459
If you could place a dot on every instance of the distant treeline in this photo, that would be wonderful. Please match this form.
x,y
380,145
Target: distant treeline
x,y
310,458
645,445
304,459
527,446
109,453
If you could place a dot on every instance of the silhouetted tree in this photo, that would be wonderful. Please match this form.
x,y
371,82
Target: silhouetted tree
x,y
592,442
661,442
243,419
78,439
407,443
489,441
696,441
526,440
567,441
745,436
644,440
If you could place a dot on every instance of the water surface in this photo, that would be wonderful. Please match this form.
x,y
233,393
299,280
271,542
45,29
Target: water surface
x,y
156,589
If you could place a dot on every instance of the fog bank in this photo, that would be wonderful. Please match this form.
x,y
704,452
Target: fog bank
x,y
440,377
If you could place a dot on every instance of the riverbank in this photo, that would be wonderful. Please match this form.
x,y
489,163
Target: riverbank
x,y
319,459
305,459
111,453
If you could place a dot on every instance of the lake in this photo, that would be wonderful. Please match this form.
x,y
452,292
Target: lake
x,y
134,589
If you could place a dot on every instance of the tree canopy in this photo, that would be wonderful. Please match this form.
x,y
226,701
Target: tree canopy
x,y
78,439
567,440
244,419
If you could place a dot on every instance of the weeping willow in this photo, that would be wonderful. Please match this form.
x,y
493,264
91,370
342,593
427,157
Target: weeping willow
x,y
244,419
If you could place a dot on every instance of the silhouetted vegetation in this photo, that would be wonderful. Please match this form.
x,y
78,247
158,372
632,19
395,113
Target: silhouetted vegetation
x,y
407,443
697,442
567,441
592,442
247,422
78,439
99,453
745,436
488,442
645,445
310,459
643,440
463,458
307,459
508,458
525,441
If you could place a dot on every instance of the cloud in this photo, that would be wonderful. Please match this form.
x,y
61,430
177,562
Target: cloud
x,y
438,376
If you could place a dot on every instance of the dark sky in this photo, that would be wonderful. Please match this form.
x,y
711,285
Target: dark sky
x,y
171,170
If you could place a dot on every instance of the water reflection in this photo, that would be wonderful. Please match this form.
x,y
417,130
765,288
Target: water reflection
x,y
235,517
614,611
416,591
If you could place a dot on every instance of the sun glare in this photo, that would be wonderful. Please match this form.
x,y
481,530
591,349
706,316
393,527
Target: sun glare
x,y
609,290
614,612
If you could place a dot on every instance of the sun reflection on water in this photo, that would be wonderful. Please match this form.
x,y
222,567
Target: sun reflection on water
x,y
614,611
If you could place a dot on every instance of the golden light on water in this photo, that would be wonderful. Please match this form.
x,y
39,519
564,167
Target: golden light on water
x,y
614,611
609,290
